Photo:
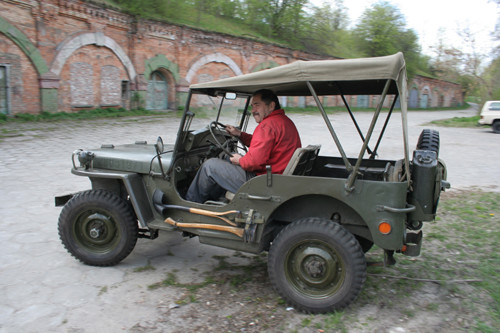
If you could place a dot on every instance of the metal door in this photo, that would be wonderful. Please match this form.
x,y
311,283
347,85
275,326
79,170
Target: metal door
x,y
4,92
413,102
424,101
362,101
157,92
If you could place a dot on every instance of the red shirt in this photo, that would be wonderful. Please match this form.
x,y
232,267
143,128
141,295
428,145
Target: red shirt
x,y
273,143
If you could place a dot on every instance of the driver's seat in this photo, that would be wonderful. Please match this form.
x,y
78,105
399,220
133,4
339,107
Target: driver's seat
x,y
301,164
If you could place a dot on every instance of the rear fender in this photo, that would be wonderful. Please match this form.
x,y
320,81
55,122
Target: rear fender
x,y
324,207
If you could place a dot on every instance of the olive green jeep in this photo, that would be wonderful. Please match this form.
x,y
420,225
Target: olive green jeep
x,y
317,219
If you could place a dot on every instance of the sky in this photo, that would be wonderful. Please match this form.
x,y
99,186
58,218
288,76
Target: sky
x,y
435,19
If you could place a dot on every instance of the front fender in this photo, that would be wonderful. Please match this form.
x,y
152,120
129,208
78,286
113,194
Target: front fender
x,y
133,183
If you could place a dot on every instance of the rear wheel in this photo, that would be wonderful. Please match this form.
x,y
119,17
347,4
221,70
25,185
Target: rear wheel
x,y
496,126
429,140
316,265
97,227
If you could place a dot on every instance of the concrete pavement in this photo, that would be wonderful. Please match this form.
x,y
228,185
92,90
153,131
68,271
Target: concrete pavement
x,y
42,288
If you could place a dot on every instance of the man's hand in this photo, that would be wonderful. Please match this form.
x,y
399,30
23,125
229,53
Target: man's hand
x,y
235,159
234,131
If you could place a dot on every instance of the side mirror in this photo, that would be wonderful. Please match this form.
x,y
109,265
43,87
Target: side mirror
x,y
159,145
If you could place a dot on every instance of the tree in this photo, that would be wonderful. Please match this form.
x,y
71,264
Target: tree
x,y
286,17
327,30
256,15
382,31
492,79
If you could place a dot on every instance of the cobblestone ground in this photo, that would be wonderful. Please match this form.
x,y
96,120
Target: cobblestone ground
x,y
43,288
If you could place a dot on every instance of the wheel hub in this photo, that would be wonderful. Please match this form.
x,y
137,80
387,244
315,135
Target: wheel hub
x,y
314,268
96,231
96,224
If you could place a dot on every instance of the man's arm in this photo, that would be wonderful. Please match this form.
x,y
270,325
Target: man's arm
x,y
244,137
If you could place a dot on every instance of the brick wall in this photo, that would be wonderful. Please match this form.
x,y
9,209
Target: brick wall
x,y
69,54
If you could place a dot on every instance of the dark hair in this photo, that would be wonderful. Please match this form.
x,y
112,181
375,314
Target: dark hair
x,y
267,96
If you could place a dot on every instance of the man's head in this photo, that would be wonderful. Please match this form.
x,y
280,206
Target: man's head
x,y
264,102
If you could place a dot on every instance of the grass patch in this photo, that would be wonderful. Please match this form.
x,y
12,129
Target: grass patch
x,y
80,115
103,290
458,122
147,267
201,112
459,263
225,273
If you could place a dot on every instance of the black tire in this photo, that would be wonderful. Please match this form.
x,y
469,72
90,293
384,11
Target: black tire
x,y
316,265
97,227
496,126
429,140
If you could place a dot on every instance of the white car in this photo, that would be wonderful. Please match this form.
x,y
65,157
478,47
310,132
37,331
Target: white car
x,y
490,115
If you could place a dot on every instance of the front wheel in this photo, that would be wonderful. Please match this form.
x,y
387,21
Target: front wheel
x,y
316,265
97,227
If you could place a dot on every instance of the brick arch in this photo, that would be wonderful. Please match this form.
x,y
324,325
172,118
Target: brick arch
x,y
264,65
67,48
426,87
21,40
161,62
214,57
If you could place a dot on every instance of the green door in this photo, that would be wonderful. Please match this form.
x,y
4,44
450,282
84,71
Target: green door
x,y
4,93
157,92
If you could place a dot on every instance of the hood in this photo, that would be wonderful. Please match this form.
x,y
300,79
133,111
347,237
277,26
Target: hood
x,y
139,158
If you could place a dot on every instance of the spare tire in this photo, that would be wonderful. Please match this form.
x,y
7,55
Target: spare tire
x,y
429,140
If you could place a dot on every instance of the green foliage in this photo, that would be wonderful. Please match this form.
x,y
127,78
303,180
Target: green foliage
x,y
327,31
382,31
492,81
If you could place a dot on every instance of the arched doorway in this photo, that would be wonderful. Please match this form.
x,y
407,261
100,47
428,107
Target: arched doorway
x,y
413,101
424,101
157,92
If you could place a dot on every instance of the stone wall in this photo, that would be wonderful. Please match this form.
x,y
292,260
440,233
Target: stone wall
x,y
67,55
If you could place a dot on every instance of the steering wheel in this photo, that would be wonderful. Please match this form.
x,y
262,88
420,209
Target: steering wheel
x,y
215,125
219,126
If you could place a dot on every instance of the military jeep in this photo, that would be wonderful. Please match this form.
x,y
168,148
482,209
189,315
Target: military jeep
x,y
316,220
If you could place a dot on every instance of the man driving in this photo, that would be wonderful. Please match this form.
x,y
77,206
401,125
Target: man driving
x,y
273,143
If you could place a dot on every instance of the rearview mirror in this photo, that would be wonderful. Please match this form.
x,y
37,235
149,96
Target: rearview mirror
x,y
230,96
